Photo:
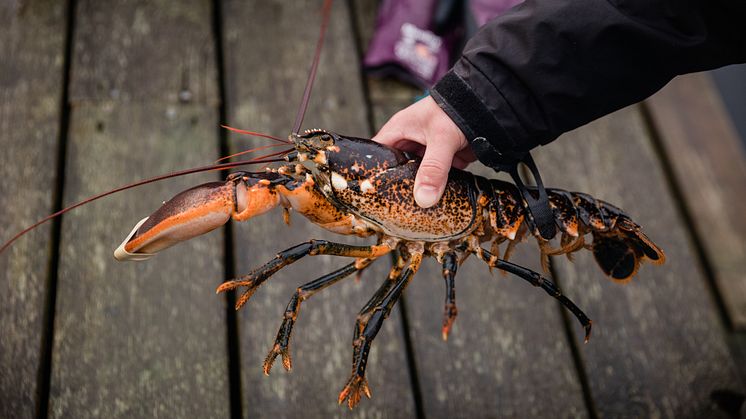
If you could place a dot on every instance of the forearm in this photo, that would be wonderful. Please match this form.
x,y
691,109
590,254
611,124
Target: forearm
x,y
549,66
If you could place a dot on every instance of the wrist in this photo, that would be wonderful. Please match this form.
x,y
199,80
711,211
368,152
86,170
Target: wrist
x,y
488,139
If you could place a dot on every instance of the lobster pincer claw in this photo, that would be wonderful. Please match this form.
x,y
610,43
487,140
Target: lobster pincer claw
x,y
122,254
197,211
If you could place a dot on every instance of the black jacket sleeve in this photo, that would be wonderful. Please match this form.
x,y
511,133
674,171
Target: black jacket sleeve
x,y
548,66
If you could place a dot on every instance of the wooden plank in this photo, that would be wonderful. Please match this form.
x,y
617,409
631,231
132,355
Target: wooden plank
x,y
138,339
264,85
658,348
32,37
507,355
709,163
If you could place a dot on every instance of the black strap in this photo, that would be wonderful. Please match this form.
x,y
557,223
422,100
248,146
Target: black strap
x,y
501,156
453,91
537,208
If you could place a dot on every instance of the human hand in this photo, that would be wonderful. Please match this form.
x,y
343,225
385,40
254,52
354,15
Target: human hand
x,y
425,129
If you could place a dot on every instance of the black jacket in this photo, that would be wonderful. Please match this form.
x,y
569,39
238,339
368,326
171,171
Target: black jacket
x,y
548,66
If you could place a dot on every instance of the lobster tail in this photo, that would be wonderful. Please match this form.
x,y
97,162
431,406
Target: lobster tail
x,y
619,245
621,249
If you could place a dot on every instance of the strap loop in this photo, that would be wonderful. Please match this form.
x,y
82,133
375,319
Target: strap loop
x,y
537,208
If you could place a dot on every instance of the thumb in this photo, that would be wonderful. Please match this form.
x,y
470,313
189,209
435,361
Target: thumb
x,y
433,174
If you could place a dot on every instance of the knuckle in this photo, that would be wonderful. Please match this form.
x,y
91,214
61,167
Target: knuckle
x,y
432,167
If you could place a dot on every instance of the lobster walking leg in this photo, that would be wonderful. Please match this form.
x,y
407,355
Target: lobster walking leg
x,y
381,292
450,265
362,319
367,327
282,341
538,281
293,254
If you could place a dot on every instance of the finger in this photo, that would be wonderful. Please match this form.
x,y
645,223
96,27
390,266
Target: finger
x,y
466,154
393,131
433,173
403,125
410,147
389,135
459,163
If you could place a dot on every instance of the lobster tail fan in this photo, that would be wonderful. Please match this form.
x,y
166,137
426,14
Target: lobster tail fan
x,y
615,255
620,251
650,251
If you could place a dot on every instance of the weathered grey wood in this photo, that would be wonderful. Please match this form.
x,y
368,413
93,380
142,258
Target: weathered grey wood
x,y
507,355
138,339
386,95
269,47
32,38
658,348
132,50
737,343
710,166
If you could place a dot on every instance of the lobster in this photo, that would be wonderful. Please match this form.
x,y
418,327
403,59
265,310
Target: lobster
x,y
354,186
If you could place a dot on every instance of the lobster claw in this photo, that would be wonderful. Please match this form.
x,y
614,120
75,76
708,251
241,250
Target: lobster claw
x,y
200,210
189,214
122,254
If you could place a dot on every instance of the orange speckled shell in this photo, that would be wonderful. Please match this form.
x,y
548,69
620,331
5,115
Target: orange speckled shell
x,y
390,204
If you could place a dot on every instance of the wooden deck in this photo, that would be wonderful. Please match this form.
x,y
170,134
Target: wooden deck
x,y
95,94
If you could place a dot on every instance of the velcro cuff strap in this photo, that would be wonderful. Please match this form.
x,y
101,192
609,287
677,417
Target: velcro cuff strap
x,y
458,95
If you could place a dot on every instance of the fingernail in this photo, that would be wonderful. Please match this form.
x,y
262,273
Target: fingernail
x,y
426,196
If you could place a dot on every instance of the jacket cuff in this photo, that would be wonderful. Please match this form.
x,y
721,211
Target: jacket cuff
x,y
488,138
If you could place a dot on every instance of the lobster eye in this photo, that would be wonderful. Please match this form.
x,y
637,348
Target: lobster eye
x,y
326,139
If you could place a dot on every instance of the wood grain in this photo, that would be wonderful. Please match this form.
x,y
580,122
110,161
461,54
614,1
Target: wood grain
x,y
32,37
138,339
658,348
264,83
709,163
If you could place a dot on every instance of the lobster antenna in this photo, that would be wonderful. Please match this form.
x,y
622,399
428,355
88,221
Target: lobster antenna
x,y
223,166
256,134
312,75
253,150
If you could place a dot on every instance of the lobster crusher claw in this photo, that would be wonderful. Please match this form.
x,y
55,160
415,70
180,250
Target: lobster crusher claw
x,y
123,255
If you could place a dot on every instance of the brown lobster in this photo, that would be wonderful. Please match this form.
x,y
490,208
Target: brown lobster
x,y
354,186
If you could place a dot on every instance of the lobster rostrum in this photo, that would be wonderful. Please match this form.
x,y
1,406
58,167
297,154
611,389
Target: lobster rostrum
x,y
354,186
